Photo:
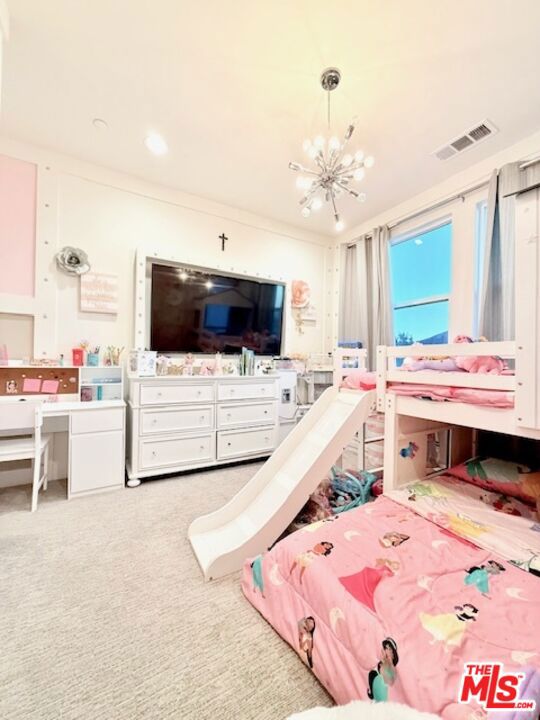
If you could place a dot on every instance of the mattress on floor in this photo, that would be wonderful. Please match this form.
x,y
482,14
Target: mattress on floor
x,y
383,603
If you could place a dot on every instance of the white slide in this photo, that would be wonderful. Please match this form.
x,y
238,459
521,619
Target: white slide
x,y
257,515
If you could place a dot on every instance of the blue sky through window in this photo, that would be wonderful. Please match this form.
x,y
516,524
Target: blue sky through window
x,y
421,273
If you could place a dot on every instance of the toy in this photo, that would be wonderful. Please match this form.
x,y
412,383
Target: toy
x,y
482,364
188,364
409,451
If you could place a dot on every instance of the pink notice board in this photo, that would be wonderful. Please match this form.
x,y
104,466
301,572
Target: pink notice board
x,y
18,180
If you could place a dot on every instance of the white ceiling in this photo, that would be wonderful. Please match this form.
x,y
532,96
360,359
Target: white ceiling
x,y
234,88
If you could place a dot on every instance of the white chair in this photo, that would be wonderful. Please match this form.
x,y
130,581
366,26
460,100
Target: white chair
x,y
25,418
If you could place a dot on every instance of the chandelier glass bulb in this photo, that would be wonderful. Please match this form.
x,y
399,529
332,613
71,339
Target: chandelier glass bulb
x,y
359,174
306,212
317,203
339,225
358,156
334,143
369,162
319,142
347,160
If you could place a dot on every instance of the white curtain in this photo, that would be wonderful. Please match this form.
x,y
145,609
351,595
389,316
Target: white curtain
x,y
497,306
365,305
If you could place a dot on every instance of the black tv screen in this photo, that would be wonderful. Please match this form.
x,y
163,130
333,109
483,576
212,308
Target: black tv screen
x,y
200,313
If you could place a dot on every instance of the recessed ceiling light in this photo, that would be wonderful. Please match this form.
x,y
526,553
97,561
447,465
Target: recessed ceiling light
x,y
156,144
100,124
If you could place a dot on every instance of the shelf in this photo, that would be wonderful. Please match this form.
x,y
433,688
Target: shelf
x,y
375,439
103,384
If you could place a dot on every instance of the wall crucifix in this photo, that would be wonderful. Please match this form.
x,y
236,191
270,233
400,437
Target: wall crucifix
x,y
223,239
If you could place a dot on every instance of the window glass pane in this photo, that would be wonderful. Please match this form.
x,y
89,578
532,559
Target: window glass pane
x,y
427,324
420,266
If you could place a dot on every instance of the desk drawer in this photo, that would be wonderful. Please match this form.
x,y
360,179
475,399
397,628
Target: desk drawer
x,y
248,390
163,394
237,415
245,442
186,419
189,450
97,420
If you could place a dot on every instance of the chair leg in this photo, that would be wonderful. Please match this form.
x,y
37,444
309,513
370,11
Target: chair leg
x,y
46,467
36,466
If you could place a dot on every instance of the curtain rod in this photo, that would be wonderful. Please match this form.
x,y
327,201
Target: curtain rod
x,y
441,203
435,206
533,161
452,198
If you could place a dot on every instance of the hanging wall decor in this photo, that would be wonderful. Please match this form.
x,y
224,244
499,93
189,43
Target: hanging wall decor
x,y
72,261
302,309
99,293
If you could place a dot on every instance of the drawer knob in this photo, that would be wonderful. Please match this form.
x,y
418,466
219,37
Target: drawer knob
x,y
228,414
159,394
266,412
154,421
198,392
202,447
154,453
267,439
228,444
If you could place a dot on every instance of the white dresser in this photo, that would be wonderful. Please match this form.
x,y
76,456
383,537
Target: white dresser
x,y
187,423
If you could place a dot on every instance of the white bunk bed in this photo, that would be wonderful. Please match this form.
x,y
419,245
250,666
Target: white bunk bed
x,y
408,416
347,361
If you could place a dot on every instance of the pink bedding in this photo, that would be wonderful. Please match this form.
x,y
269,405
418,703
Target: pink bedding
x,y
383,603
474,396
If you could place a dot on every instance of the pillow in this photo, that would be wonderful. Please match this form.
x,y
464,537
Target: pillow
x,y
507,478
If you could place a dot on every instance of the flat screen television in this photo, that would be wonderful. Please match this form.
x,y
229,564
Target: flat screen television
x,y
205,313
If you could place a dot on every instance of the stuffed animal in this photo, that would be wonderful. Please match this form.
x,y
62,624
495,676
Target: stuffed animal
x,y
482,364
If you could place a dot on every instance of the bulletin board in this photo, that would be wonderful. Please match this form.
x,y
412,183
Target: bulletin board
x,y
38,381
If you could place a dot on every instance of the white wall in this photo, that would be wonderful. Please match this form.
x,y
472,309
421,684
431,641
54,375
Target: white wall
x,y
110,216
462,213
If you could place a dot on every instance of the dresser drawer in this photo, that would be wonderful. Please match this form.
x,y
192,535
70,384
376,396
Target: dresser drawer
x,y
248,390
184,419
189,450
168,394
97,420
238,415
245,442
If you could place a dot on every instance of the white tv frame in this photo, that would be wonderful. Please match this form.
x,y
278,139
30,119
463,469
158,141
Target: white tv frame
x,y
143,260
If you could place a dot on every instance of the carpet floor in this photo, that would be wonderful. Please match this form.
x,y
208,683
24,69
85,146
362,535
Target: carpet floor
x,y
104,614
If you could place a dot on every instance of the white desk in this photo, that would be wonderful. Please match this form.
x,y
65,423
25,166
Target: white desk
x,y
88,443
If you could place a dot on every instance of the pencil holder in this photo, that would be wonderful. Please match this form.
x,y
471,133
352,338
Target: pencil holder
x,y
92,359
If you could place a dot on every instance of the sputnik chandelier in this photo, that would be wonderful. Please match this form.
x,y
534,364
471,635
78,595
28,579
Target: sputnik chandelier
x,y
336,169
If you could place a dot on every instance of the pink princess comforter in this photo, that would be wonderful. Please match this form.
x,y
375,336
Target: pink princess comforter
x,y
381,603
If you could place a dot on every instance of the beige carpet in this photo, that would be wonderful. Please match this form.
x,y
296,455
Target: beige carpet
x,y
104,614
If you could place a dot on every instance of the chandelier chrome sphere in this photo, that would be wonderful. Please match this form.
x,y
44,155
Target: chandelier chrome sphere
x,y
336,170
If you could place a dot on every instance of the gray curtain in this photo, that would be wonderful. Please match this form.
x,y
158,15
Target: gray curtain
x,y
497,304
365,305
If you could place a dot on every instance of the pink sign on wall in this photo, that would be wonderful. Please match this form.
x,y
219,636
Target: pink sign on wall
x,y
18,181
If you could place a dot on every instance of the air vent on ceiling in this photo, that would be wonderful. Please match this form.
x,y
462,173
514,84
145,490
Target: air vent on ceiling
x,y
470,138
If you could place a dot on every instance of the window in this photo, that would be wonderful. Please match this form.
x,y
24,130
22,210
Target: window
x,y
420,267
480,233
